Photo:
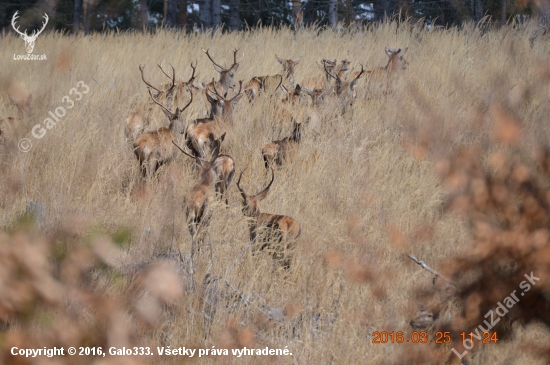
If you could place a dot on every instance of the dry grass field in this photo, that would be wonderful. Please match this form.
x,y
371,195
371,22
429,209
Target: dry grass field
x,y
108,263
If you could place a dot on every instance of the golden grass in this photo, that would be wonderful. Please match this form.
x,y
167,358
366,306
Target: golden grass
x,y
363,189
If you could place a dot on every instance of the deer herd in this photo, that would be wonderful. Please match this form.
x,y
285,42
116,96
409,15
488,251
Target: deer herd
x,y
204,137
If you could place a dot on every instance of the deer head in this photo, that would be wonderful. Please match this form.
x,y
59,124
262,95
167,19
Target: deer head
x,y
251,203
226,74
222,107
176,122
29,39
207,173
288,66
397,60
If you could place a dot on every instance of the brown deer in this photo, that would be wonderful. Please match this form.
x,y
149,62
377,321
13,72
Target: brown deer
x,y
345,89
379,77
283,231
202,195
266,84
182,86
201,132
279,151
136,122
289,68
324,82
226,74
155,148
166,91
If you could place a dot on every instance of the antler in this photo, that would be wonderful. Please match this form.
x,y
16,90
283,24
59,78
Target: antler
x,y
352,84
215,90
235,57
239,93
35,34
185,153
337,78
146,83
239,183
15,16
172,115
193,75
268,186
212,59
173,78
189,103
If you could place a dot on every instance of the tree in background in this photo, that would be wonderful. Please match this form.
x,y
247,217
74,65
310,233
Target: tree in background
x,y
99,15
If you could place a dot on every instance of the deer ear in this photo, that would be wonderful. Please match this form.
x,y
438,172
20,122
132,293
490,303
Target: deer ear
x,y
262,195
168,114
308,91
403,51
390,51
280,60
234,68
218,68
297,60
210,99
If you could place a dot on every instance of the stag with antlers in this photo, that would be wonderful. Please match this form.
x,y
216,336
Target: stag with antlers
x,y
201,132
216,175
226,74
282,230
155,148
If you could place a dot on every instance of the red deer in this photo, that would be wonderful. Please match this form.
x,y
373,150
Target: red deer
x,y
136,122
226,74
289,68
155,148
201,132
396,62
197,202
266,84
165,92
279,151
140,118
345,89
379,77
283,230
323,82
271,84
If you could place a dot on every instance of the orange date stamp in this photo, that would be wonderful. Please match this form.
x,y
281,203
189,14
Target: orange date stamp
x,y
440,337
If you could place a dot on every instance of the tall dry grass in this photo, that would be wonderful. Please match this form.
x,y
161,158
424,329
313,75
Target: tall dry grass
x,y
365,189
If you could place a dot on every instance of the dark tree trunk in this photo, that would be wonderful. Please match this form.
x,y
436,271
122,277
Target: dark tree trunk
x,y
503,12
170,13
332,13
234,14
76,15
205,13
182,18
478,10
144,14
216,13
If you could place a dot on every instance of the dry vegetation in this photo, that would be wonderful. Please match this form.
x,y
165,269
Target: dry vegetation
x,y
447,165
